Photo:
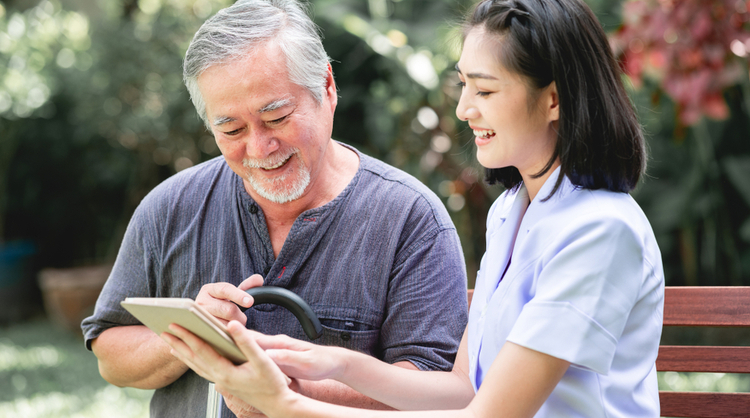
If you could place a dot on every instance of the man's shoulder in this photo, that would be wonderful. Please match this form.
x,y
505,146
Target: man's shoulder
x,y
395,188
189,187
193,179
384,174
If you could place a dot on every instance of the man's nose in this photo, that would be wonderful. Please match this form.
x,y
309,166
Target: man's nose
x,y
261,143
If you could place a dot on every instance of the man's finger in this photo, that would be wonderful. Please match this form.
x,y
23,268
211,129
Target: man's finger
x,y
253,281
227,291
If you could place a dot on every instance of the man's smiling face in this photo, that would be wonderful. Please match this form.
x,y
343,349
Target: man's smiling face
x,y
272,132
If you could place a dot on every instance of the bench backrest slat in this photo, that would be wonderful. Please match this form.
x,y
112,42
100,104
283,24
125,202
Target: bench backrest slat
x,y
703,359
705,404
707,306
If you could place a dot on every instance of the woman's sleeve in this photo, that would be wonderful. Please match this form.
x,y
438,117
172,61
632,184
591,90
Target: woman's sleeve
x,y
589,280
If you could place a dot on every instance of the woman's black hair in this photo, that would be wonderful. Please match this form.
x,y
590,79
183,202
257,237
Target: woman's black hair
x,y
599,140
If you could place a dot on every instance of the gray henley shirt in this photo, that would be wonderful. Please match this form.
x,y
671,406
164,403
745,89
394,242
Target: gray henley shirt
x,y
381,265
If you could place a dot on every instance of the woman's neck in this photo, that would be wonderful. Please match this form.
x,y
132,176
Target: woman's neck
x,y
533,185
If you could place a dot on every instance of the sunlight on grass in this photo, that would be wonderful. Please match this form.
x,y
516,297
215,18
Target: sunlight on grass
x,y
109,401
46,372
16,358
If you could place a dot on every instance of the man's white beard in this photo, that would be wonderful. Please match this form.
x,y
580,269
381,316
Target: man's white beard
x,y
281,189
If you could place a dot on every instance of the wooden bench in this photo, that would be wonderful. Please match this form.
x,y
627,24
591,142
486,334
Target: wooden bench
x,y
704,307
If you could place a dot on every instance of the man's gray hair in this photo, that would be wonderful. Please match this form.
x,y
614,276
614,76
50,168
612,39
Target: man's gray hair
x,y
237,30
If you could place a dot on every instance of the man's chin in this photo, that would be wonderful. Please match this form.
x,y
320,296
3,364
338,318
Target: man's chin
x,y
274,194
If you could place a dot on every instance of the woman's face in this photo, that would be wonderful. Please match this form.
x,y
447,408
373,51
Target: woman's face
x,y
508,129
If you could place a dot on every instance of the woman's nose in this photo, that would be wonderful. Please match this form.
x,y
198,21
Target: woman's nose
x,y
465,110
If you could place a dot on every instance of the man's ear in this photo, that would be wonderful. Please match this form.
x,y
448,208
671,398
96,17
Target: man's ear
x,y
331,92
552,102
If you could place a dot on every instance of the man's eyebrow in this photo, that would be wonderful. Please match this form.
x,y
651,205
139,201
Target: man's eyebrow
x,y
276,104
477,75
221,120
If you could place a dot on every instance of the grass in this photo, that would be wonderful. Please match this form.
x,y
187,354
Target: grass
x,y
46,371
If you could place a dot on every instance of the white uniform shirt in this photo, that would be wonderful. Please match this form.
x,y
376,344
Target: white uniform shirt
x,y
584,284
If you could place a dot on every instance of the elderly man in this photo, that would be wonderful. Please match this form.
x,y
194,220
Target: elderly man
x,y
370,248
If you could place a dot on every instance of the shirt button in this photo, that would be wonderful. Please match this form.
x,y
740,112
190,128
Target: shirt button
x,y
253,208
346,336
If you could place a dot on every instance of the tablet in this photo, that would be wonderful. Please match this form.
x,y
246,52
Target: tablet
x,y
158,313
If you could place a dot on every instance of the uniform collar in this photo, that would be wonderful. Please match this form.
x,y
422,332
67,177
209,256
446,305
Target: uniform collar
x,y
543,203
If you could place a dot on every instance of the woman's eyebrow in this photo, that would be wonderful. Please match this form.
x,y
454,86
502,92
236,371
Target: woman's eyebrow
x,y
477,75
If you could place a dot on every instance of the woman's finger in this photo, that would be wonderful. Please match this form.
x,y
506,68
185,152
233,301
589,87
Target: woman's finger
x,y
267,342
202,357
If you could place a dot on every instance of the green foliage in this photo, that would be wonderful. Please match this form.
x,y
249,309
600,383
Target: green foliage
x,y
101,117
695,194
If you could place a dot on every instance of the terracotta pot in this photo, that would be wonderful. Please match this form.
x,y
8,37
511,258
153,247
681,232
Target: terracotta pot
x,y
70,294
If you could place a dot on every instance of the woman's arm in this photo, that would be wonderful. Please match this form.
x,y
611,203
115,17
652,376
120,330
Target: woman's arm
x,y
394,385
398,387
517,384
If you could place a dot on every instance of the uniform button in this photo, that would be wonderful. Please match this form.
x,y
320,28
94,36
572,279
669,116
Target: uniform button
x,y
346,336
253,208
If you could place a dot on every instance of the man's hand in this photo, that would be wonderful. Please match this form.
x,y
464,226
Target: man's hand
x,y
221,299
241,408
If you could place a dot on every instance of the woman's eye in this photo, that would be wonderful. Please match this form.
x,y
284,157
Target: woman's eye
x,y
483,93
461,84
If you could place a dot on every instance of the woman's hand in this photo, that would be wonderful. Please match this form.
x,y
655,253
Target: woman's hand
x,y
259,382
304,360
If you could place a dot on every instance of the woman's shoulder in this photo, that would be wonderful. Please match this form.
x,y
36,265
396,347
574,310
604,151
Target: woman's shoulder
x,y
597,214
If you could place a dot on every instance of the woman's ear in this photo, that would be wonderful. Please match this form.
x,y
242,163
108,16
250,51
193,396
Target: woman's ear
x,y
552,102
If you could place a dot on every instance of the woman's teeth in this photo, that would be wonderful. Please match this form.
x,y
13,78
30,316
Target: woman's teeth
x,y
481,133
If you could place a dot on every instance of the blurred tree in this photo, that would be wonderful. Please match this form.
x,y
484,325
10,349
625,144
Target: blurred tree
x,y
694,52
93,114
116,119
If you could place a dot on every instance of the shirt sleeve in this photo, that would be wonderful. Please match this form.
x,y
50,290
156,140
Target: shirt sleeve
x,y
427,304
129,278
589,281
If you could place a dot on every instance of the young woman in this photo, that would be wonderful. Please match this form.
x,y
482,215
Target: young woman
x,y
567,311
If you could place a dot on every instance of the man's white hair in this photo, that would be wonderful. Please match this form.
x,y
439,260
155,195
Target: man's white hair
x,y
236,31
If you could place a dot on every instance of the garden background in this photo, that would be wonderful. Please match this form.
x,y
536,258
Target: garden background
x,y
93,114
